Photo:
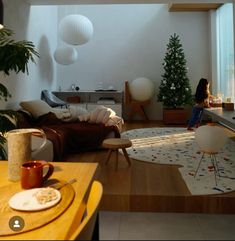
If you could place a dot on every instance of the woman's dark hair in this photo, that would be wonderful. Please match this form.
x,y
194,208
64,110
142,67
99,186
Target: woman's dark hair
x,y
201,91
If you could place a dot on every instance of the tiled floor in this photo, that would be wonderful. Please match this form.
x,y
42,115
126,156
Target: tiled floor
x,y
166,226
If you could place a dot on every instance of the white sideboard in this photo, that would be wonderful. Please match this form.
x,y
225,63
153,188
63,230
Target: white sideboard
x,y
91,99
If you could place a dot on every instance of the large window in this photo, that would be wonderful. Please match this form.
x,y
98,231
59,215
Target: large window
x,y
225,51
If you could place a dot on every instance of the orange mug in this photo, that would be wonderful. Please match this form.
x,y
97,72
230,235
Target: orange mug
x,y
32,175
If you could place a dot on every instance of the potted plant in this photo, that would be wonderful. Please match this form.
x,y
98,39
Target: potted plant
x,y
175,90
14,56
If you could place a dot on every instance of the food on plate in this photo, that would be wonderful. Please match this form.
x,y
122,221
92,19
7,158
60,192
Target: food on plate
x,y
45,195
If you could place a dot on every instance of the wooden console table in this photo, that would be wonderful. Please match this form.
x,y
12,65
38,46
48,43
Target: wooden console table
x,y
221,115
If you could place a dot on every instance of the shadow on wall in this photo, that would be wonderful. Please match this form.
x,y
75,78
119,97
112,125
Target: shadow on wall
x,y
46,67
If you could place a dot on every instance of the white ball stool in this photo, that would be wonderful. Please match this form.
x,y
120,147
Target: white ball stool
x,y
210,139
141,89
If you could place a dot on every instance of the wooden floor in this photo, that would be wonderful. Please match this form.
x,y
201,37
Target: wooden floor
x,y
150,187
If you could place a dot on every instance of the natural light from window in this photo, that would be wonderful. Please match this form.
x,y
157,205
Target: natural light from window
x,y
225,52
161,140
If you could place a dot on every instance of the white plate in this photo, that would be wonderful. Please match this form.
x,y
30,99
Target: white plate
x,y
26,200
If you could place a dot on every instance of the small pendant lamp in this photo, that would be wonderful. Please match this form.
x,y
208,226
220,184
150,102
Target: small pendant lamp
x,y
66,55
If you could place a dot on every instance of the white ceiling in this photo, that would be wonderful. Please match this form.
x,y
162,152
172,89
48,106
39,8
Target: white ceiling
x,y
75,2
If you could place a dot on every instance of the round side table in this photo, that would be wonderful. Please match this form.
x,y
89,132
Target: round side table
x,y
113,144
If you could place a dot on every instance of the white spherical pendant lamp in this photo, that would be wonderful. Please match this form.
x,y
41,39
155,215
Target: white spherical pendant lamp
x,y
65,55
75,29
141,89
210,138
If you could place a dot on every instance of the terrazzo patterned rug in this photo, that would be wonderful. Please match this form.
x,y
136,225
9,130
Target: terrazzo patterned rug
x,y
177,146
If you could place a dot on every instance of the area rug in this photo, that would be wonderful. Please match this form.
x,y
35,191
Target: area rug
x,y
177,146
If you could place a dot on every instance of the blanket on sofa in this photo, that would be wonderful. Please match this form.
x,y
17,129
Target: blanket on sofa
x,y
67,137
73,137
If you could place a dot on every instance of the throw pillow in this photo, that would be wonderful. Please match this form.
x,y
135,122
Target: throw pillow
x,y
36,107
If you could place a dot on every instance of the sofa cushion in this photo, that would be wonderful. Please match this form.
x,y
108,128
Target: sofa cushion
x,y
36,107
39,108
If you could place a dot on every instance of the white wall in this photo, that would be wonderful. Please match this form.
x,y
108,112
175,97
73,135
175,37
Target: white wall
x,y
39,25
130,41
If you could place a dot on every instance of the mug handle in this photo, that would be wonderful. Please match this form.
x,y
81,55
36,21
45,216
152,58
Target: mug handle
x,y
50,169
39,132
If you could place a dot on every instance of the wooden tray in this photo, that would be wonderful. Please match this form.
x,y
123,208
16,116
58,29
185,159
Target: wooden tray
x,y
33,219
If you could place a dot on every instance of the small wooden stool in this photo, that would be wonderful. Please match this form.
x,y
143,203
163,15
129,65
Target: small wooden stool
x,y
113,144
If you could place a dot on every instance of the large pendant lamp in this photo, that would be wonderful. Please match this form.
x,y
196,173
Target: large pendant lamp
x,y
75,29
1,14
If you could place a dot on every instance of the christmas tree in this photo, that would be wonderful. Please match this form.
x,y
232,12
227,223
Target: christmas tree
x,y
175,90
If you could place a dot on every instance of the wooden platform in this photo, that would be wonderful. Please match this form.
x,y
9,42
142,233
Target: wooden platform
x,y
150,187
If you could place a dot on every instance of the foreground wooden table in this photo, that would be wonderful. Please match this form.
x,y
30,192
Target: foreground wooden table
x,y
63,226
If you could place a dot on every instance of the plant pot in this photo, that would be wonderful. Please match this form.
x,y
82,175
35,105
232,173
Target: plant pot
x,y
175,116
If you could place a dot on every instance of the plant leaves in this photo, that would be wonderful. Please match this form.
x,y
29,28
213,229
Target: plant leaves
x,y
14,56
4,93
